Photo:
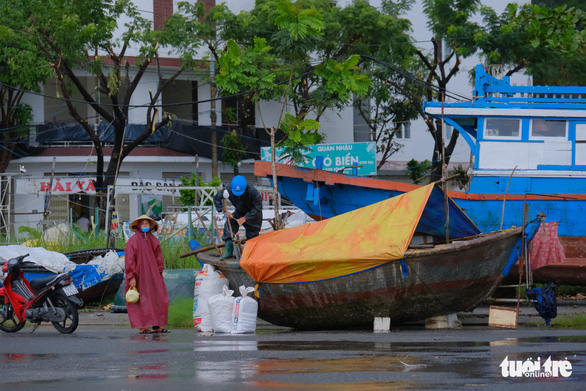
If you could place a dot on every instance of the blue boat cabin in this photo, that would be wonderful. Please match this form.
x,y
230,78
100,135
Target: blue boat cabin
x,y
538,131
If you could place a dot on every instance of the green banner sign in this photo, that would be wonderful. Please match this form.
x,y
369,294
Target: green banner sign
x,y
348,158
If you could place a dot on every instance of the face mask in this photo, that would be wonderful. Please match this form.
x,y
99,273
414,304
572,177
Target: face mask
x,y
145,229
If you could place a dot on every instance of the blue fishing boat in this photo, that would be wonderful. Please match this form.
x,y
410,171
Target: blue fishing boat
x,y
529,149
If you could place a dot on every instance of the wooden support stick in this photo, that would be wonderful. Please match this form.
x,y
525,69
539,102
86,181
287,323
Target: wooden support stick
x,y
200,250
208,232
207,248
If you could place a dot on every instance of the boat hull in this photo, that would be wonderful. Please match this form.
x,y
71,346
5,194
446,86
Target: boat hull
x,y
440,281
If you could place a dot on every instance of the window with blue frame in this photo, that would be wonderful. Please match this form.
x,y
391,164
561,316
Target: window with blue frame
x,y
499,128
544,128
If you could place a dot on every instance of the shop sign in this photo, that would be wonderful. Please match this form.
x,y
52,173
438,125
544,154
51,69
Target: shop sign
x,y
336,157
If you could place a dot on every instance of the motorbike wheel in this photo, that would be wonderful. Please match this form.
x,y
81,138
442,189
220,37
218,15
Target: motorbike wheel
x,y
8,320
71,321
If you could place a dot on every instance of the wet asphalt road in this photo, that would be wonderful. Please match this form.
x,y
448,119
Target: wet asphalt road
x,y
410,358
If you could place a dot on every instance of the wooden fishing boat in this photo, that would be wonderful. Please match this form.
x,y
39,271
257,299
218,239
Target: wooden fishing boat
x,y
391,259
445,279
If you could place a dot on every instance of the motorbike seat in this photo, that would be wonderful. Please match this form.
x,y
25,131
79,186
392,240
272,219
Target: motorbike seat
x,y
39,283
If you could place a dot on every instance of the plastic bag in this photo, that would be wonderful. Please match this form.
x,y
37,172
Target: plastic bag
x,y
208,282
220,307
244,312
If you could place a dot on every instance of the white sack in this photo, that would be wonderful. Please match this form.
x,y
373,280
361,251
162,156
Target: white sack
x,y
208,282
50,260
220,307
244,312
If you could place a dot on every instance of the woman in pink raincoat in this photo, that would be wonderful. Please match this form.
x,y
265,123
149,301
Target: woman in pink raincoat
x,y
144,270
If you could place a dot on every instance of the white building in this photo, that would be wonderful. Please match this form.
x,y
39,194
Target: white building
x,y
155,164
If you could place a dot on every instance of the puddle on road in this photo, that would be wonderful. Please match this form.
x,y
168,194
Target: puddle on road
x,y
353,364
449,347
222,346
292,373
15,357
148,371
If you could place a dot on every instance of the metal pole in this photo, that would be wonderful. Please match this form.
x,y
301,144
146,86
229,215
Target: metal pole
x,y
189,223
524,243
47,210
70,224
97,221
444,169
108,217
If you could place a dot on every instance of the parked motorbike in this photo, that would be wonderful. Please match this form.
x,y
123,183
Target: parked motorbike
x,y
48,299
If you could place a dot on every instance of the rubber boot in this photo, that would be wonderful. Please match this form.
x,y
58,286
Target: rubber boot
x,y
229,250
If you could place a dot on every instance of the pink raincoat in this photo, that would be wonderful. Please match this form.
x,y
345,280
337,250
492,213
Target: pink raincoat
x,y
144,261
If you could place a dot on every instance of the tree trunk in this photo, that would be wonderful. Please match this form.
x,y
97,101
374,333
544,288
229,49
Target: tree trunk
x,y
213,117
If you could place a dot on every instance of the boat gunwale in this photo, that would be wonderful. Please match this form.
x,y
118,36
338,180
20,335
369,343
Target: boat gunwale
x,y
261,169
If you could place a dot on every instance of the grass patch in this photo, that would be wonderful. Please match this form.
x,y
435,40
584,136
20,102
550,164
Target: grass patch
x,y
574,322
172,250
570,290
181,313
561,291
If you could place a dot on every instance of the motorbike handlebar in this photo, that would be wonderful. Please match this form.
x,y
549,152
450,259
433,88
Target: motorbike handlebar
x,y
20,258
13,264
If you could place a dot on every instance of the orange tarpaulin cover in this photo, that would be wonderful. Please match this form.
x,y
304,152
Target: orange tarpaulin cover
x,y
343,245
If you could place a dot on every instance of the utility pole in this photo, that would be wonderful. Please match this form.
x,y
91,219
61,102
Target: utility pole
x,y
47,210
213,117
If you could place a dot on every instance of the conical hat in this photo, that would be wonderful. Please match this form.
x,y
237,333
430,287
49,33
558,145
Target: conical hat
x,y
134,225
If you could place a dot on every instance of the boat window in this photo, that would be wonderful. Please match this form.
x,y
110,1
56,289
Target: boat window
x,y
502,128
548,128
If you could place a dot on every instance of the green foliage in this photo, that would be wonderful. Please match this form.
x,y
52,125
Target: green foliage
x,y
343,79
20,70
300,134
187,197
549,42
233,148
397,7
462,178
299,22
418,170
249,69
453,20
262,69
31,232
76,39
